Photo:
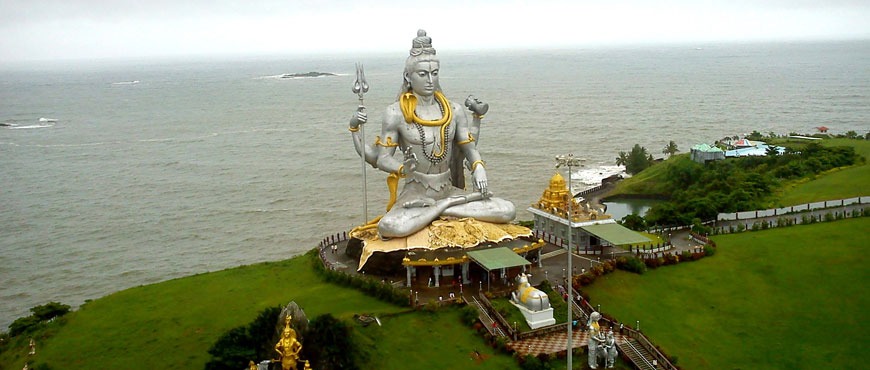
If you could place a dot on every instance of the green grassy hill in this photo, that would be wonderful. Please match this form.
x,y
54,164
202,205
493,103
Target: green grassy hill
x,y
787,298
172,324
834,184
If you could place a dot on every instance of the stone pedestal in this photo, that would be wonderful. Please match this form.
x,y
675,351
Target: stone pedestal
x,y
537,319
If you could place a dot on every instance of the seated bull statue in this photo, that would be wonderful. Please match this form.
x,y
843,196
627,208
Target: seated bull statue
x,y
528,296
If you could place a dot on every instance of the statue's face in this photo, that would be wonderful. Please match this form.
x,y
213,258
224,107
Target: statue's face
x,y
424,77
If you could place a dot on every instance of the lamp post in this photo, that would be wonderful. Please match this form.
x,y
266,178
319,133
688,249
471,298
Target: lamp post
x,y
570,161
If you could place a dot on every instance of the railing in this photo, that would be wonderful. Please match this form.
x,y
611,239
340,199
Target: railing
x,y
590,190
498,317
483,311
773,212
638,354
651,249
333,239
557,241
662,360
555,328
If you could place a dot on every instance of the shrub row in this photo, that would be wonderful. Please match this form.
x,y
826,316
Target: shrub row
x,y
370,286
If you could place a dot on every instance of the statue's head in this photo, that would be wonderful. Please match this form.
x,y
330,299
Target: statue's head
x,y
422,59
594,316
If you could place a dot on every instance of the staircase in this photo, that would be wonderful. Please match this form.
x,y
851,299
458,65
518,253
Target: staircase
x,y
488,322
641,358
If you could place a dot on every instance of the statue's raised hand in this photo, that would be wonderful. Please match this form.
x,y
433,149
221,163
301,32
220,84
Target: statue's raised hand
x,y
409,165
478,107
360,118
479,176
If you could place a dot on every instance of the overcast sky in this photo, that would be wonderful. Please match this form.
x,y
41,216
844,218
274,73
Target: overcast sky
x,y
91,29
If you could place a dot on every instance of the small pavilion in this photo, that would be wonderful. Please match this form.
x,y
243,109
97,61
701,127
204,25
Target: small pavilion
x,y
498,259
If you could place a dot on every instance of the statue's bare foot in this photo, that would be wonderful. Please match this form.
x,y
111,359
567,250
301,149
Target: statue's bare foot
x,y
419,203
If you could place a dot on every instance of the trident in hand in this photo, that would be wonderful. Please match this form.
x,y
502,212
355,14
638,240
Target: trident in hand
x,y
360,88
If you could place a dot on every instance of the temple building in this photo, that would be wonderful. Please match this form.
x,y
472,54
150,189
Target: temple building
x,y
449,251
558,211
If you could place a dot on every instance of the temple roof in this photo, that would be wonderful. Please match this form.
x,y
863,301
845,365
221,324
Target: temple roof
x,y
556,199
616,234
497,258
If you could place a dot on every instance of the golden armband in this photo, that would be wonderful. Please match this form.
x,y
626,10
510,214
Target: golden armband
x,y
477,162
470,140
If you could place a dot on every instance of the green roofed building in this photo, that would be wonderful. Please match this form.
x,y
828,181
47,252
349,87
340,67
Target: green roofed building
x,y
702,153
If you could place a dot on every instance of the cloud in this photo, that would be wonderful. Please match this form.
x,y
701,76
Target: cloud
x,y
126,28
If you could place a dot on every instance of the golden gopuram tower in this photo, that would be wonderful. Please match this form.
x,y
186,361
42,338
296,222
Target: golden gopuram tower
x,y
555,201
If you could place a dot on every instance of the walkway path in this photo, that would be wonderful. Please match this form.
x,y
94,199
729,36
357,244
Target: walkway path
x,y
555,342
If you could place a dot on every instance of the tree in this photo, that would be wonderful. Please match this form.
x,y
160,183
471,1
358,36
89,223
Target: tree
x,y
622,160
755,135
771,151
329,344
41,314
245,343
50,310
638,160
851,134
670,149
634,222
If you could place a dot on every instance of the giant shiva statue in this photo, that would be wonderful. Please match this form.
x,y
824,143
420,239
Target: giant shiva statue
x,y
435,138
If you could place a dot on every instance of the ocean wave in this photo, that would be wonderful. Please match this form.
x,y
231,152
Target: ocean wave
x,y
591,177
17,127
134,82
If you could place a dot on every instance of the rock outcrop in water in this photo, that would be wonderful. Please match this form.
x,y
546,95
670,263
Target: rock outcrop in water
x,y
307,75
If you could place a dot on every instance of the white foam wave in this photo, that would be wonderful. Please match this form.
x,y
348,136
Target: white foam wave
x,y
43,119
16,127
585,178
126,82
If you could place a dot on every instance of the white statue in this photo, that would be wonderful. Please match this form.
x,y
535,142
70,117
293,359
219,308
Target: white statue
x,y
607,350
529,296
596,340
434,135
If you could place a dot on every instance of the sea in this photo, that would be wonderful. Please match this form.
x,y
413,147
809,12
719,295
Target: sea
x,y
120,173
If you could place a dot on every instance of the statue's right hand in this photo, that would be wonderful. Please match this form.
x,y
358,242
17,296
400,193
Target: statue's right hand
x,y
410,163
360,118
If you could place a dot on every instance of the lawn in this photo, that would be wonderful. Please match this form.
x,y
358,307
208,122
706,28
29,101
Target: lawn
x,y
782,298
424,340
173,324
836,184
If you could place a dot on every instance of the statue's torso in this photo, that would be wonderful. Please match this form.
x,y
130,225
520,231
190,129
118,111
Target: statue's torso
x,y
428,145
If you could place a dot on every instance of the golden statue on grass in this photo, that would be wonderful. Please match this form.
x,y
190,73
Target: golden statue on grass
x,y
288,347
